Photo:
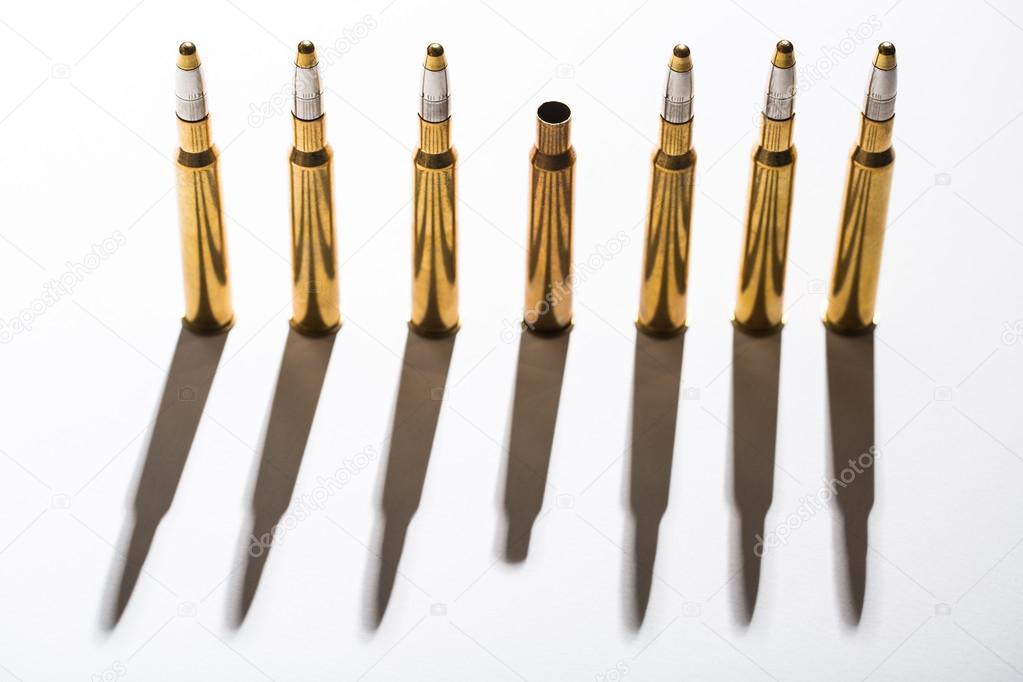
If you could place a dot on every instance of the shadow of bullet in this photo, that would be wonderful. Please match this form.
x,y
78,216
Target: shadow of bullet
x,y
756,364
851,415
657,376
192,369
299,382
538,378
416,413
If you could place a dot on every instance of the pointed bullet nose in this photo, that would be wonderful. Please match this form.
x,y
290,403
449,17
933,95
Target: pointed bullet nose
x,y
306,57
885,58
435,59
781,85
680,58
879,104
308,103
189,85
435,95
784,55
678,90
188,56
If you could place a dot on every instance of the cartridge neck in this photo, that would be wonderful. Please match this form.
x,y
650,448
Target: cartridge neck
x,y
875,136
775,135
434,138
194,136
310,136
553,138
676,138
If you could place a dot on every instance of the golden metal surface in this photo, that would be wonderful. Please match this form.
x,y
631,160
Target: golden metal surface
x,y
784,55
759,305
885,58
662,301
434,233
203,239
316,299
681,59
852,294
188,57
435,59
548,301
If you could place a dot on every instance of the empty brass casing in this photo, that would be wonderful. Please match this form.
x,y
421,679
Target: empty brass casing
x,y
853,290
759,305
203,239
316,298
434,233
548,304
662,301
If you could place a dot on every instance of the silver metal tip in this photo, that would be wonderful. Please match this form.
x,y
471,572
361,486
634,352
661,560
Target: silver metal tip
x,y
435,94
190,91
308,85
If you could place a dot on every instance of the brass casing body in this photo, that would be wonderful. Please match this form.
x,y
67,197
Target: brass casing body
x,y
759,305
662,300
316,299
548,301
203,239
853,290
434,233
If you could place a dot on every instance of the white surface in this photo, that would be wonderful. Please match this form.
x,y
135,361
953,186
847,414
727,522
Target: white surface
x,y
88,133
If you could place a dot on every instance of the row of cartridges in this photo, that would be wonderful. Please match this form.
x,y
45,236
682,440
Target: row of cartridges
x,y
549,269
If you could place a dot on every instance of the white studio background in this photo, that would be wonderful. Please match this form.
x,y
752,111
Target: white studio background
x,y
88,136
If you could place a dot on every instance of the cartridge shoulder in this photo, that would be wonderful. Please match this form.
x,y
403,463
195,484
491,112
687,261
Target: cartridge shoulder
x,y
774,159
552,162
196,160
428,161
320,157
675,162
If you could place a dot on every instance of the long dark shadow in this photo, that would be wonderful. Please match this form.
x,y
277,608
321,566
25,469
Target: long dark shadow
x,y
851,415
299,382
538,378
184,396
756,363
416,412
657,376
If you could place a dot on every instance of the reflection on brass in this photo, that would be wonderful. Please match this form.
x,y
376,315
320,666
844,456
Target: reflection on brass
x,y
548,304
853,291
313,237
759,305
434,233
203,240
662,301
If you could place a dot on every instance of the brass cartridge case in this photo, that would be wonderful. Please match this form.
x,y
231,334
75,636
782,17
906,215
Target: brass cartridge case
x,y
759,304
316,298
434,233
548,300
662,301
853,290
203,239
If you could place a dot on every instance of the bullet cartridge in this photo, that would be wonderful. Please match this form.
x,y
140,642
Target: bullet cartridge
x,y
434,225
203,239
759,304
316,299
662,302
852,293
548,301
